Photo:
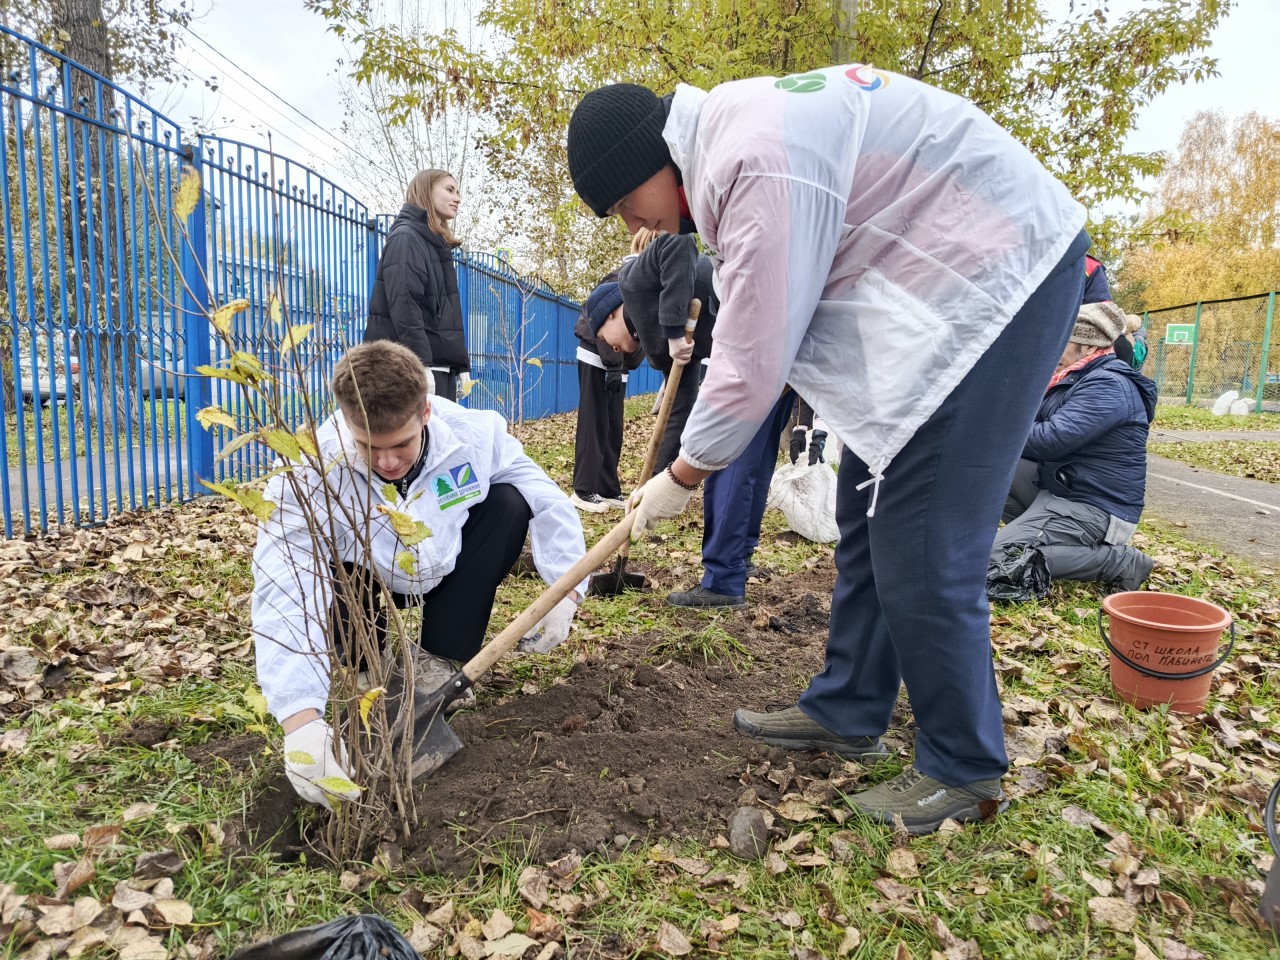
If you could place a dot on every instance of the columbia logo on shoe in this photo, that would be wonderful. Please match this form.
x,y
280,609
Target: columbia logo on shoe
x,y
936,795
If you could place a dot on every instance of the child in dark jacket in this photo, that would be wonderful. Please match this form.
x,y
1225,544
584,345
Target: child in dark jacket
x,y
663,273
602,383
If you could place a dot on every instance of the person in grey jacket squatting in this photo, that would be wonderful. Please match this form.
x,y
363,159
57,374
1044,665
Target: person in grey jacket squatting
x,y
909,268
415,299
1078,491
392,446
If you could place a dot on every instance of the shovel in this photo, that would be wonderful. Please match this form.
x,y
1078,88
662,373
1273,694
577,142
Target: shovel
x,y
434,741
618,581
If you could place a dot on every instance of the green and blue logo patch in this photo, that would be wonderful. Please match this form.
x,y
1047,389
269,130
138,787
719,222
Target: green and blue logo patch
x,y
456,486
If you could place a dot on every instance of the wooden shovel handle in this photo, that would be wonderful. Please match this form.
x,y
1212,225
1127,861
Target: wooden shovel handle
x,y
500,645
605,547
664,412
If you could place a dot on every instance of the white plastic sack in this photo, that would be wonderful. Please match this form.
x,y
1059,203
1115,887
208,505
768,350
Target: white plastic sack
x,y
806,495
1241,407
1222,405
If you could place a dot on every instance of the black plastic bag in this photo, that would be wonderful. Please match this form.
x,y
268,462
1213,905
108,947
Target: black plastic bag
x,y
1020,575
362,937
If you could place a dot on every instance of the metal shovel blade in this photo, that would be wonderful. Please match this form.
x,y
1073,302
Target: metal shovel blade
x,y
434,741
617,581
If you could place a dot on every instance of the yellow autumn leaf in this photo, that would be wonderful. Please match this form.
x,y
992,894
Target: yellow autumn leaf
x,y
256,702
534,362
293,337
213,416
407,529
336,785
307,442
465,387
184,204
390,493
406,562
220,373
234,445
274,310
367,700
300,757
282,442
247,365
225,314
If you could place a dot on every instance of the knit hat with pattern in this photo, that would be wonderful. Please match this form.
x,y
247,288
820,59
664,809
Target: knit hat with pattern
x,y
1098,324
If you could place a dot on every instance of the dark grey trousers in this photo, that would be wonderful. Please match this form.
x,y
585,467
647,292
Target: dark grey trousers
x,y
1078,541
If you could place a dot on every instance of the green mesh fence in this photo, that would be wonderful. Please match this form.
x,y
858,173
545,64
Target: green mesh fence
x,y
1199,351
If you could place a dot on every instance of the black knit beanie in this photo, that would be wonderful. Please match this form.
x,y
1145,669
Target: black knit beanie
x,y
604,299
615,143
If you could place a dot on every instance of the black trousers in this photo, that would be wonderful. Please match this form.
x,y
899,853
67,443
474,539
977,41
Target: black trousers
x,y
686,394
455,615
445,384
598,441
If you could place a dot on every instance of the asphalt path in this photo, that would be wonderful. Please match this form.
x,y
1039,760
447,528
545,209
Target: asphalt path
x,y
1240,517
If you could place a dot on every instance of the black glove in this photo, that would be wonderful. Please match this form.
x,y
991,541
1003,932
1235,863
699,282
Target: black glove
x,y
817,440
614,381
797,444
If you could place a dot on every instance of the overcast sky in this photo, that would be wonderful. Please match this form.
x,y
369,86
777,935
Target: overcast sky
x,y
304,68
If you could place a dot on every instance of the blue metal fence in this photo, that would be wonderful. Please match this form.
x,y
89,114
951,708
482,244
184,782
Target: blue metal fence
x,y
106,281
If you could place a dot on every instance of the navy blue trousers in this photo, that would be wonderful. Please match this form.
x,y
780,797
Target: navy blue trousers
x,y
910,603
733,506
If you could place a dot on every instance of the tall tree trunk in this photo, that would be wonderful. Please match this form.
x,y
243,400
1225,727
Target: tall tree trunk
x,y
97,194
843,13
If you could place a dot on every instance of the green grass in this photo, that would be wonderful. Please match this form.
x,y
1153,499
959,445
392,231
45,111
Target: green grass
x,y
1129,768
159,421
1177,417
1251,459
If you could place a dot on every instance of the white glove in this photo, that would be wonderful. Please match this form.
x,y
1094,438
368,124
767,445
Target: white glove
x,y
552,630
659,499
680,350
312,768
465,385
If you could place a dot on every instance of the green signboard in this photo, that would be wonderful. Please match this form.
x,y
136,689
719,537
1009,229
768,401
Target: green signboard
x,y
1184,333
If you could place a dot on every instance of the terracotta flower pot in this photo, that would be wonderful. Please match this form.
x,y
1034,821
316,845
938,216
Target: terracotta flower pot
x,y
1164,647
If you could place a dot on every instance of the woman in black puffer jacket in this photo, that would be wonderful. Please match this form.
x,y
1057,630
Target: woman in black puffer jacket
x,y
415,291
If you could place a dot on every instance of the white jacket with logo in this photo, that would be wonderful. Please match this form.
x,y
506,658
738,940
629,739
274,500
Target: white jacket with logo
x,y
872,236
468,451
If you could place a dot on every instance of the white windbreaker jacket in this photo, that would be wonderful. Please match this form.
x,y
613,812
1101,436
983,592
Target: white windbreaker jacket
x,y
469,450
872,236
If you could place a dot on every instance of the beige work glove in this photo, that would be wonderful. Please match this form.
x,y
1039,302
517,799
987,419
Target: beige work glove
x,y
313,769
659,499
680,350
552,630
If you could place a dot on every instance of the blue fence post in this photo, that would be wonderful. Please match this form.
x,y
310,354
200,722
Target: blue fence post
x,y
371,256
195,332
1266,352
464,303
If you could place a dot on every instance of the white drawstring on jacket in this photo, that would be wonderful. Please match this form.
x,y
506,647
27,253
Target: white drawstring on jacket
x,y
875,490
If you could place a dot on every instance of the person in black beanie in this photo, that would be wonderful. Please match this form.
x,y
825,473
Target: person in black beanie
x,y
907,266
602,384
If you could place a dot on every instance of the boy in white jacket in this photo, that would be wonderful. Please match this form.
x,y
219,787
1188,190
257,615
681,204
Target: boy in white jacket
x,y
396,458
913,271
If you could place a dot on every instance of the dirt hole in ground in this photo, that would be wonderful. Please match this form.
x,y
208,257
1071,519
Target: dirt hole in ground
x,y
632,747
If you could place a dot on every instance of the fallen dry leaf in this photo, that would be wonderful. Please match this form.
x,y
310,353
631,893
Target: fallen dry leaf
x,y
1113,913
902,864
70,877
102,836
63,841
64,919
533,887
1038,924
137,811
852,939
797,810
671,941
127,899
511,945
159,863
498,925
173,913
543,926
424,937
1141,951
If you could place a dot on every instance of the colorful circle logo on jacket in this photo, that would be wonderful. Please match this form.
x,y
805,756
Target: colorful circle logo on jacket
x,y
868,78
802,83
